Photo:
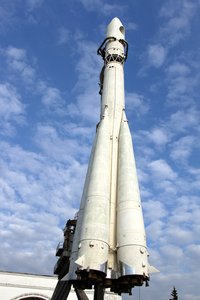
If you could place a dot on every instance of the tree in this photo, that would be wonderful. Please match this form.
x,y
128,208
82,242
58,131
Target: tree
x,y
174,294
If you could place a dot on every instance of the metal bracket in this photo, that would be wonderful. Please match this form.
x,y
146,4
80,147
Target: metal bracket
x,y
101,49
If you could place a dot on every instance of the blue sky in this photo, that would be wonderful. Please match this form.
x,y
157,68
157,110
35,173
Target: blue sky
x,y
49,106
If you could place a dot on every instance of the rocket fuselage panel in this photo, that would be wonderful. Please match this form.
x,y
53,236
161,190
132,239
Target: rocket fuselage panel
x,y
109,240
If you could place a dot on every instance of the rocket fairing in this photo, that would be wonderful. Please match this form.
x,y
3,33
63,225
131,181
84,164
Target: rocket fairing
x,y
109,244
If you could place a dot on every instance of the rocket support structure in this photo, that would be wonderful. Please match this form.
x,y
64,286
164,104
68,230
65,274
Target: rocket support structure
x,y
109,244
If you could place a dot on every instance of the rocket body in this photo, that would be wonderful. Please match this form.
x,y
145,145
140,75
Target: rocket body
x,y
109,243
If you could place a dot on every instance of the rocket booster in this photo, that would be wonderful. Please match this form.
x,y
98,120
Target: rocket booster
x,y
109,244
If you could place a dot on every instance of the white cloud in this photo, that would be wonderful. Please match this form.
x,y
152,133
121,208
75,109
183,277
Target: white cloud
x,y
155,230
19,65
33,4
37,194
172,252
170,8
194,251
161,169
17,61
90,4
182,120
178,19
63,36
51,97
142,176
181,91
131,26
7,15
156,55
88,65
154,210
12,110
87,104
78,131
183,148
186,212
57,145
151,141
136,103
158,136
16,54
167,186
179,236
34,235
108,9
182,80
11,106
178,68
102,7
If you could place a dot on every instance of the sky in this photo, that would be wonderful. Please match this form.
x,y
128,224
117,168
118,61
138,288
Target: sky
x,y
49,107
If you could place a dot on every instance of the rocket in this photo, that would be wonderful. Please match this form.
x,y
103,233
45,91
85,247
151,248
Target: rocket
x,y
109,243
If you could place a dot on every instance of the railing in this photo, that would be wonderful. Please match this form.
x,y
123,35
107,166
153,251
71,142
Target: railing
x,y
59,249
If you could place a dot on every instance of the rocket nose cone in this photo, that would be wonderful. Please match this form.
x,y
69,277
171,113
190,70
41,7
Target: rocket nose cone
x,y
116,29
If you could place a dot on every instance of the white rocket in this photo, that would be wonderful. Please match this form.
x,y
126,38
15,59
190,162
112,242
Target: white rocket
x,y
109,245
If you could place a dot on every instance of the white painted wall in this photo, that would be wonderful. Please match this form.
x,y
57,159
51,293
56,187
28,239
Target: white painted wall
x,y
15,285
18,286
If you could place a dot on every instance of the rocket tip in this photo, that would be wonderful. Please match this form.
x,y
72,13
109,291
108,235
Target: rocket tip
x,y
116,20
116,29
